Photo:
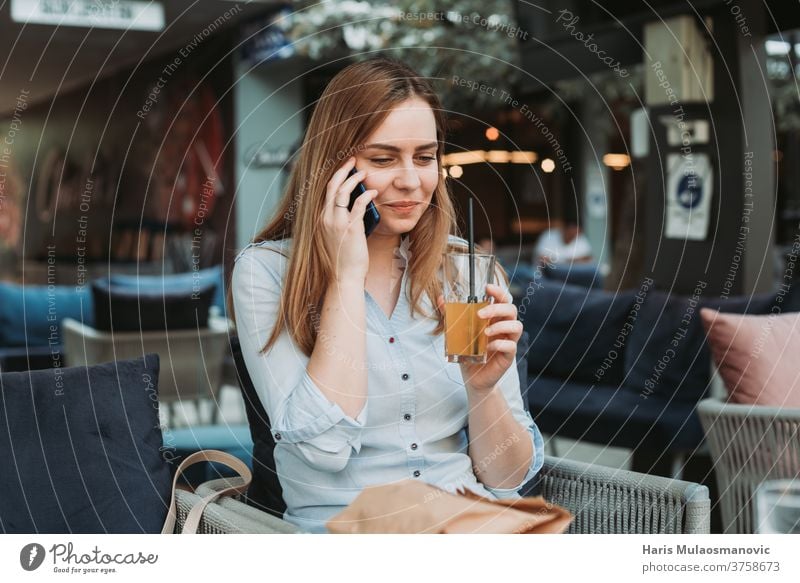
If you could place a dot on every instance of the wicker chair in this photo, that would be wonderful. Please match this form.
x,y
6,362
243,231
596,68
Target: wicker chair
x,y
603,500
749,445
608,501
228,516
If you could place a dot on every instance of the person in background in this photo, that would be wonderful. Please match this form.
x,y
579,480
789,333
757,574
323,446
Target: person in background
x,y
563,245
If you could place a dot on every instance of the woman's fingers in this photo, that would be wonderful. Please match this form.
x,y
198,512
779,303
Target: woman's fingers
x,y
338,178
340,185
498,311
498,293
343,194
502,345
360,206
510,328
362,201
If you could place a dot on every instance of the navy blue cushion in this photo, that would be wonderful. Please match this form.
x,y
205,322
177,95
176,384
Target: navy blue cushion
x,y
583,274
576,333
612,416
667,353
125,309
28,312
80,450
177,283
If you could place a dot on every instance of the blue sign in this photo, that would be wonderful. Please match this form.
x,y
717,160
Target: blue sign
x,y
267,39
690,191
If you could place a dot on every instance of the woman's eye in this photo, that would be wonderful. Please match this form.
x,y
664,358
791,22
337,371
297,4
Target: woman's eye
x,y
427,159
380,160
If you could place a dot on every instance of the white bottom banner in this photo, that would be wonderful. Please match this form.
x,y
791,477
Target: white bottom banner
x,y
399,557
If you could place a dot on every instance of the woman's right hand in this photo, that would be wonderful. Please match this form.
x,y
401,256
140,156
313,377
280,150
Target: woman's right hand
x,y
343,230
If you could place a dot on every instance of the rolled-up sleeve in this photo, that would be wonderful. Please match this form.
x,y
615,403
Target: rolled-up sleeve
x,y
509,385
301,416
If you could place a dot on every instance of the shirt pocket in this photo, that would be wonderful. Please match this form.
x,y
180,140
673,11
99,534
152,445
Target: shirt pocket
x,y
452,369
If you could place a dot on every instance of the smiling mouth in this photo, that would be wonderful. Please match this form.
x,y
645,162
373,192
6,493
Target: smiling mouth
x,y
403,205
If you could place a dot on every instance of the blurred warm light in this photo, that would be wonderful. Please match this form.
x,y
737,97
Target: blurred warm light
x,y
462,158
498,156
520,157
444,172
456,171
492,157
617,161
548,165
492,134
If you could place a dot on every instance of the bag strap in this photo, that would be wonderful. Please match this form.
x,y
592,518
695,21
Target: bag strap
x,y
196,512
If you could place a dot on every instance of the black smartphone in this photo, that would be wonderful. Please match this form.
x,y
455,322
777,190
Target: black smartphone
x,y
371,217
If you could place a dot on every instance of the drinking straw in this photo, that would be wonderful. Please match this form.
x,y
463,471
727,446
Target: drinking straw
x,y
472,298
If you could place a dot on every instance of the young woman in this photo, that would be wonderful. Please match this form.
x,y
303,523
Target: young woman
x,y
342,334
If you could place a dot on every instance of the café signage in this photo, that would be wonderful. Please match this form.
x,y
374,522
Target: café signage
x,y
122,14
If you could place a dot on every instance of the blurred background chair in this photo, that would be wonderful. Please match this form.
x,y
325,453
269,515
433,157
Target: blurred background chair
x,y
749,444
26,315
191,361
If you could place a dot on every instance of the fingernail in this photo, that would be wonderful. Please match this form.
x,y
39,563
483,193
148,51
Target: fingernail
x,y
481,313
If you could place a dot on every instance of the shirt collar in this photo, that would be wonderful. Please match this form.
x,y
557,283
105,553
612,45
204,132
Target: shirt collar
x,y
402,251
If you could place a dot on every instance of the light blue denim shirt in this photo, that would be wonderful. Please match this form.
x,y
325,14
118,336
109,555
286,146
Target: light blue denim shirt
x,y
414,424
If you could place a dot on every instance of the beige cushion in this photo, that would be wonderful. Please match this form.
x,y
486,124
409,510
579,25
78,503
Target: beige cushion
x,y
757,356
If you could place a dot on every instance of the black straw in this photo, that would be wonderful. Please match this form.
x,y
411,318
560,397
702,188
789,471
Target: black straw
x,y
472,298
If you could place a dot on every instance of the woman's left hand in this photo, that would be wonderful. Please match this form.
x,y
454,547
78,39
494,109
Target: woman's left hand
x,y
503,331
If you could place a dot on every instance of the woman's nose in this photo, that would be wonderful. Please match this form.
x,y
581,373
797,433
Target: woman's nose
x,y
407,178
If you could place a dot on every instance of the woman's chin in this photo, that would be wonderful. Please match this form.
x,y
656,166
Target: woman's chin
x,y
396,226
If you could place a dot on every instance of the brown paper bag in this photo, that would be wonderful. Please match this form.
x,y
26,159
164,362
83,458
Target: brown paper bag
x,y
411,506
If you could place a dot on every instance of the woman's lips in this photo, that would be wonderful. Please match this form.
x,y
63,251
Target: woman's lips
x,y
403,208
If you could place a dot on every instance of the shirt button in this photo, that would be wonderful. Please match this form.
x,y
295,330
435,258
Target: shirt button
x,y
277,437
405,376
413,446
391,340
416,473
407,417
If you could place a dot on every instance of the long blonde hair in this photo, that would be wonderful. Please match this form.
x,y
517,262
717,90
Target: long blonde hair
x,y
353,105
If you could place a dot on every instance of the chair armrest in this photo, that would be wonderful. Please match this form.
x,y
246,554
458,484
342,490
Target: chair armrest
x,y
228,516
748,444
262,521
712,408
79,329
607,500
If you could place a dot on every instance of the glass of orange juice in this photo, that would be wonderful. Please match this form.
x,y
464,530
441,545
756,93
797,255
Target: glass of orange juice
x,y
464,332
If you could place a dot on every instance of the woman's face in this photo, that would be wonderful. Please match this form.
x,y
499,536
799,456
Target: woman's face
x,y
401,164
